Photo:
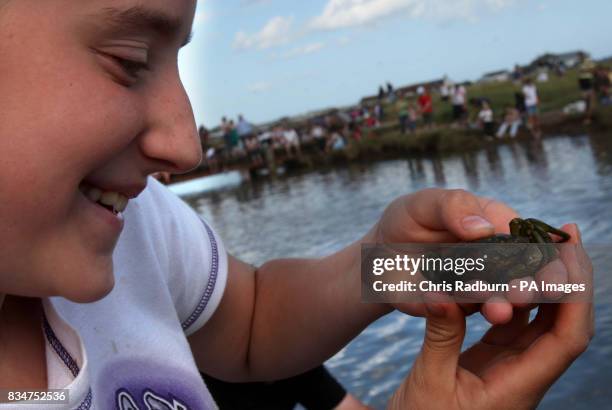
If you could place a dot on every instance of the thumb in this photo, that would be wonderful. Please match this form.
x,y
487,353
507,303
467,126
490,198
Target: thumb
x,y
456,211
444,334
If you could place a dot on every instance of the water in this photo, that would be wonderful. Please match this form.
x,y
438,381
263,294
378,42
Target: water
x,y
560,180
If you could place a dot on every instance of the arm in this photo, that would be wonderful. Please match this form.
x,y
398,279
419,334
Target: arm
x,y
285,317
292,314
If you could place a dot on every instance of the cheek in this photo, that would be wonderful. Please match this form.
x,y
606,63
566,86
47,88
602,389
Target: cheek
x,y
59,101
72,125
61,117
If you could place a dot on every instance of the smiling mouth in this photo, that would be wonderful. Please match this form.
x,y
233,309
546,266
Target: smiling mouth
x,y
111,201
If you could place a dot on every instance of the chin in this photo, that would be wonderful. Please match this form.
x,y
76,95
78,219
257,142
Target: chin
x,y
94,288
90,293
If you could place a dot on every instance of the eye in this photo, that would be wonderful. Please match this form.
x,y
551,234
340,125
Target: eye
x,y
125,65
131,67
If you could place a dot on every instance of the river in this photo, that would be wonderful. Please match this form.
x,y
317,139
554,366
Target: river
x,y
561,179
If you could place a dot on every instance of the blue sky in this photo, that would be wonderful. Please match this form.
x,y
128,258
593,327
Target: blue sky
x,y
271,58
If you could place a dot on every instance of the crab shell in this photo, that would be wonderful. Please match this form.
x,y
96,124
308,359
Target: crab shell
x,y
519,259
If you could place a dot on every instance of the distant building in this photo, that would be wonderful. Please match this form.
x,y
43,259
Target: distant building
x,y
566,60
496,77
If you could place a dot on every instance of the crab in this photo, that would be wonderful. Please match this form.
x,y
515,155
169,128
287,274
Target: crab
x,y
528,230
529,248
533,250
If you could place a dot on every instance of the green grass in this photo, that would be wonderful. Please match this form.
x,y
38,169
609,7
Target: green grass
x,y
554,95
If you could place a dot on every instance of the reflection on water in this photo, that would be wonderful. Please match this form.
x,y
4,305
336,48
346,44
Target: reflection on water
x,y
559,180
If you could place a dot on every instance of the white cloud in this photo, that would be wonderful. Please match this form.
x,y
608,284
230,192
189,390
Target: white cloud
x,y
350,13
274,33
259,87
304,50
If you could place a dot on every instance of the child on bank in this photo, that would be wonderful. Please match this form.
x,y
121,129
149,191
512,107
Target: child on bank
x,y
512,122
485,118
117,291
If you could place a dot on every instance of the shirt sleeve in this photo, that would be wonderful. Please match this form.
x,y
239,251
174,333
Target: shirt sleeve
x,y
196,261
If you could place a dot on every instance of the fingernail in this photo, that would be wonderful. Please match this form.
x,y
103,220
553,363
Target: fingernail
x,y
435,309
476,223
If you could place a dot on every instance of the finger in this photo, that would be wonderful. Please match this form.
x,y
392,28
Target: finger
x,y
456,211
411,308
576,268
570,330
444,334
494,344
518,295
554,273
502,335
498,213
497,310
573,254
543,322
575,319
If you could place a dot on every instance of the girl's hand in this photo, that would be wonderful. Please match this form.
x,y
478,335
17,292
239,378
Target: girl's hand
x,y
445,216
512,366
442,216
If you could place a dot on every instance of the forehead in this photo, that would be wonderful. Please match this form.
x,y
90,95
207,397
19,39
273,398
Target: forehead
x,y
177,9
165,14
169,17
162,15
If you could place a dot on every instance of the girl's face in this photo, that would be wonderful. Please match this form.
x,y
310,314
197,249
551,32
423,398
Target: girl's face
x,y
90,97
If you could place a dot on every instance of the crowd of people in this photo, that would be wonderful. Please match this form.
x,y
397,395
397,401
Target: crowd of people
x,y
478,113
333,132
242,140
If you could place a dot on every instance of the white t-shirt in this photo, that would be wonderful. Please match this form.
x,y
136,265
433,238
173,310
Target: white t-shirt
x,y
170,273
291,136
531,95
486,115
458,96
318,132
67,367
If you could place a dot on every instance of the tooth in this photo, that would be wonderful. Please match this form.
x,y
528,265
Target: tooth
x,y
121,203
109,198
94,194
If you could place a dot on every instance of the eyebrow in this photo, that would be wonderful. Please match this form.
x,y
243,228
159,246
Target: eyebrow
x,y
139,18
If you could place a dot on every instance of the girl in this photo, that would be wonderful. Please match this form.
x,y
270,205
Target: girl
x,y
118,292
485,117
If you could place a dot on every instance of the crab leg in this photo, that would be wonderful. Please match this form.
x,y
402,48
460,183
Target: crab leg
x,y
515,227
538,237
547,228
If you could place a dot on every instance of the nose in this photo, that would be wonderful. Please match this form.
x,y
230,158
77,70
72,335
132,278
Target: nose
x,y
171,141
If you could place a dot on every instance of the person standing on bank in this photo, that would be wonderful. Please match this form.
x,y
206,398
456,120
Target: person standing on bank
x,y
532,102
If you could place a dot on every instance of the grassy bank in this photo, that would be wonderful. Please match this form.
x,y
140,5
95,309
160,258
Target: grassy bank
x,y
554,95
390,143
386,141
